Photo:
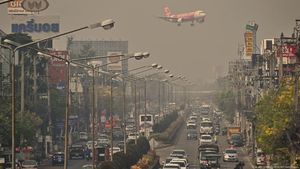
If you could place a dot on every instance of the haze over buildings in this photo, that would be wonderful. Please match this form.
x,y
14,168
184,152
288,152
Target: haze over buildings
x,y
197,52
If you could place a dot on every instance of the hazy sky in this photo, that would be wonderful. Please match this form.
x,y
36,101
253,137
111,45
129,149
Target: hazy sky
x,y
191,51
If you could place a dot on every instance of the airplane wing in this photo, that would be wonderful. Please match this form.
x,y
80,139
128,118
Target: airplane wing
x,y
170,19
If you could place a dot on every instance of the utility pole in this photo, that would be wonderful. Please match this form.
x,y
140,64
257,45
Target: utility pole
x,y
49,106
22,93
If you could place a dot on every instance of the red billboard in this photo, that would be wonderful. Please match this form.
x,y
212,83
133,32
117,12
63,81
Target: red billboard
x,y
288,50
57,67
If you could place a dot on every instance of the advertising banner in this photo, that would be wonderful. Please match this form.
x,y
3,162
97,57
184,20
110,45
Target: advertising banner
x,y
249,44
15,8
114,63
57,67
38,27
288,50
95,63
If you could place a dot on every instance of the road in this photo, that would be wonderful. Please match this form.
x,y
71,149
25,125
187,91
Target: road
x,y
191,146
74,164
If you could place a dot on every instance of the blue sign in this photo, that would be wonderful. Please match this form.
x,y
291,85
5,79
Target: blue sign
x,y
32,27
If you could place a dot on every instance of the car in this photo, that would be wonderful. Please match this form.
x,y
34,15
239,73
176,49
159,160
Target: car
x,y
83,136
115,150
206,127
205,139
183,164
103,139
133,136
260,158
89,144
230,154
192,134
8,165
193,117
191,125
236,140
180,153
171,166
58,158
211,159
76,151
88,166
29,164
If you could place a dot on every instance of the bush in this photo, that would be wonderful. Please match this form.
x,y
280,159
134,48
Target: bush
x,y
107,165
164,124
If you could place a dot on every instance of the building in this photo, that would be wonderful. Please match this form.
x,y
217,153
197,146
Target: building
x,y
80,49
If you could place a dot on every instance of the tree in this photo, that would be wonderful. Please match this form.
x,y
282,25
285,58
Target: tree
x,y
225,100
274,117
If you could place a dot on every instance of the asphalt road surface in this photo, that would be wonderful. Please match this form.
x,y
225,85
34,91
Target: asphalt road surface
x,y
191,147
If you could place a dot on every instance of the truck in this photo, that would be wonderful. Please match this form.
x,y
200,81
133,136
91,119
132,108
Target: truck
x,y
234,136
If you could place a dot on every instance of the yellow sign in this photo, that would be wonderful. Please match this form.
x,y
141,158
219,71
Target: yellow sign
x,y
249,43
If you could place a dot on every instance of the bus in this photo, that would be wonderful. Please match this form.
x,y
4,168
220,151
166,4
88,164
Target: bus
x,y
146,123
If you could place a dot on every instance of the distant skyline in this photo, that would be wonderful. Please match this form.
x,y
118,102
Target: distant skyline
x,y
194,51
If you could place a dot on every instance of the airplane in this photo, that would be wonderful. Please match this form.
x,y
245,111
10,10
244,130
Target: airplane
x,y
197,16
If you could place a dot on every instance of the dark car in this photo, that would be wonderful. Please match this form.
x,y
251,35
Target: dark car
x,y
58,158
236,140
77,151
192,134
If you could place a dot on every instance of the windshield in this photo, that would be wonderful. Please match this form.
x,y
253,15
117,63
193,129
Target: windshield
x,y
206,137
29,162
206,124
230,151
178,152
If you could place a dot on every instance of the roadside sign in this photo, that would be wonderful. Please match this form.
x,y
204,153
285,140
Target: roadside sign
x,y
35,5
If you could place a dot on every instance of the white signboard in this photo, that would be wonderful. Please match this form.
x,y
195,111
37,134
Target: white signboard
x,y
114,63
38,27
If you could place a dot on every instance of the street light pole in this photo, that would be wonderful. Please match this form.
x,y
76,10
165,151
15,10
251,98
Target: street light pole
x,y
106,24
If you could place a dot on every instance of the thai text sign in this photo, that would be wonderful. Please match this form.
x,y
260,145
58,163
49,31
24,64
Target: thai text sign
x,y
38,27
249,43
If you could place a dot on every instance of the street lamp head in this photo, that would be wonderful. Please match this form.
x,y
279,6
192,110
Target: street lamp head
x,y
154,65
159,67
138,55
10,42
146,54
165,80
107,24
171,75
167,71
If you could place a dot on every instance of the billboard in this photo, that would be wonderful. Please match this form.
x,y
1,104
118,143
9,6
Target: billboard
x,y
15,8
114,63
95,63
288,50
57,67
38,27
249,44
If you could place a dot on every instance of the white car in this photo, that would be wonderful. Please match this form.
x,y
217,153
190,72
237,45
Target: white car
x,y
230,154
171,166
89,144
115,150
182,164
181,161
132,136
205,139
180,153
29,164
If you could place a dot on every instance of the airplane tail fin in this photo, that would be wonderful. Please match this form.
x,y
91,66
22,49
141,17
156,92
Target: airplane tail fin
x,y
167,11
